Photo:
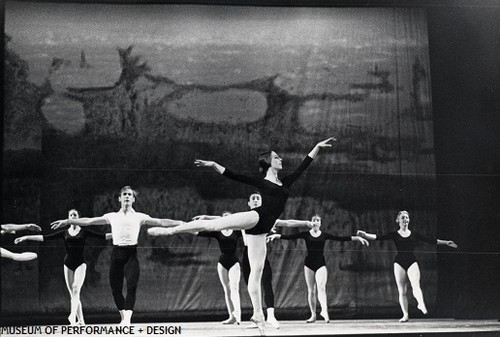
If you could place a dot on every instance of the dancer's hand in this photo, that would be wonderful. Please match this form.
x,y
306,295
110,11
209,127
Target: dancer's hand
x,y
325,143
204,163
451,244
363,241
272,237
33,227
20,239
59,224
361,233
310,224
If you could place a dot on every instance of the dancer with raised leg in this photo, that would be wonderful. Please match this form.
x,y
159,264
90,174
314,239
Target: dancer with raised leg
x,y
405,263
315,271
74,263
12,229
257,222
125,228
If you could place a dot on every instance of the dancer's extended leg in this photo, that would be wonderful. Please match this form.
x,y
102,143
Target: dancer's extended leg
x,y
414,276
240,220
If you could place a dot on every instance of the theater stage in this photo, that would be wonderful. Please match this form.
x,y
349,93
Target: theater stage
x,y
358,327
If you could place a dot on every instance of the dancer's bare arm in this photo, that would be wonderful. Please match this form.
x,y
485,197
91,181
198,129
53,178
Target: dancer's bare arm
x,y
97,221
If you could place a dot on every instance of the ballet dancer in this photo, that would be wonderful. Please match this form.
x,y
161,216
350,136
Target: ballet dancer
x,y
228,267
75,267
405,262
125,228
315,271
12,229
257,222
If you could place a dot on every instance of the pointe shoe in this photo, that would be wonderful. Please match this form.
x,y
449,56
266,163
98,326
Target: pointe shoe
x,y
311,319
325,316
230,320
404,319
258,319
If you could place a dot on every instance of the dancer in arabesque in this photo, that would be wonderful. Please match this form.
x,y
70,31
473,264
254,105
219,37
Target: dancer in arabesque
x,y
257,222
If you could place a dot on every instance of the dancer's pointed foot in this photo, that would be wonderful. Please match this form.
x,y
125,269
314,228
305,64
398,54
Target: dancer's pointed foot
x,y
72,319
237,316
325,316
422,308
230,320
404,319
258,319
311,319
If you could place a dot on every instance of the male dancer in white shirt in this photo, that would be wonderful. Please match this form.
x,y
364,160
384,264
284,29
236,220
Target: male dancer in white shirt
x,y
125,228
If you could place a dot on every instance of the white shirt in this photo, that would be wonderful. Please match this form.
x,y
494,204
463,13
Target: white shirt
x,y
125,227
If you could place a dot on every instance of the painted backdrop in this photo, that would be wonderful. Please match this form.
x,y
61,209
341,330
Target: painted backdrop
x,y
102,96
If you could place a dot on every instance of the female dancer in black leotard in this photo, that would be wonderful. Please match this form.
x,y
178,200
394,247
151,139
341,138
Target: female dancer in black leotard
x,y
256,222
12,229
74,264
314,264
405,263
228,268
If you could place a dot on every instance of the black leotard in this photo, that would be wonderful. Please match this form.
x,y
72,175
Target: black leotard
x,y
405,246
315,247
274,196
74,245
227,245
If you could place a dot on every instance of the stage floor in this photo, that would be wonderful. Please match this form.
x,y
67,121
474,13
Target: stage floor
x,y
359,327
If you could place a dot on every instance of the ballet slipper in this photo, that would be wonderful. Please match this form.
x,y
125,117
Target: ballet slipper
x,y
311,319
230,320
404,319
325,316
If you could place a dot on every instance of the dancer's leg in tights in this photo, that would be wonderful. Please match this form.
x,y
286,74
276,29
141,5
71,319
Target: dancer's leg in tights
x,y
310,277
401,278
74,283
414,276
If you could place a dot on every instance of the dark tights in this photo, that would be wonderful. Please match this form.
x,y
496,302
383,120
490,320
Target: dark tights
x,y
124,264
267,278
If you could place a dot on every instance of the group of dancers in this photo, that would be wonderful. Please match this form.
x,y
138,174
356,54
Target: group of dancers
x,y
255,226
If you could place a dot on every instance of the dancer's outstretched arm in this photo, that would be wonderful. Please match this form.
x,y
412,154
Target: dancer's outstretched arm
x,y
29,238
293,223
26,256
97,221
12,228
367,236
162,222
206,217
447,243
